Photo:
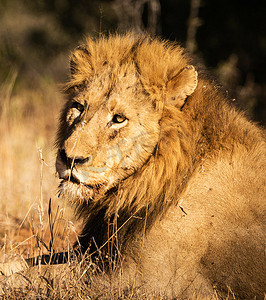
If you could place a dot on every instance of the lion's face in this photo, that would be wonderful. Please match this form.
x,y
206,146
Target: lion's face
x,y
111,123
108,132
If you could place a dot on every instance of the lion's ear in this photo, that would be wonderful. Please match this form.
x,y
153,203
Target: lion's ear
x,y
181,85
80,61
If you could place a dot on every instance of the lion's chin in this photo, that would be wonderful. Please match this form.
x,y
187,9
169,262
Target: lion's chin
x,y
73,191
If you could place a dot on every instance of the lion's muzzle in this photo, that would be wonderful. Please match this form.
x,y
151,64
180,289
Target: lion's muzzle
x,y
69,168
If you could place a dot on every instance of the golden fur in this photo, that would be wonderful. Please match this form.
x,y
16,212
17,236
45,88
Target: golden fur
x,y
163,169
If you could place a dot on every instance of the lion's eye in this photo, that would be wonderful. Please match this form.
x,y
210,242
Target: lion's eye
x,y
118,118
77,106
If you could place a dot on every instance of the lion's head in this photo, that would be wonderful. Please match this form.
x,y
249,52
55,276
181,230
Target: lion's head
x,y
122,96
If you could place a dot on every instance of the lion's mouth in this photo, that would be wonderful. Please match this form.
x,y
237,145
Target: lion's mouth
x,y
68,177
78,185
77,182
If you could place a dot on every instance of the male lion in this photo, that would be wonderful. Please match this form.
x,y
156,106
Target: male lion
x,y
167,175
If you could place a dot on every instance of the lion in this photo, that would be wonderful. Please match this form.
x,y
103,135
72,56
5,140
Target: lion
x,y
166,174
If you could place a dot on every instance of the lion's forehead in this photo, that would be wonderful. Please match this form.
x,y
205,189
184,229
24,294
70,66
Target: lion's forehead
x,y
118,84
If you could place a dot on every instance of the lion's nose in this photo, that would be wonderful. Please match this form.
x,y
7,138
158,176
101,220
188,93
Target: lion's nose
x,y
73,161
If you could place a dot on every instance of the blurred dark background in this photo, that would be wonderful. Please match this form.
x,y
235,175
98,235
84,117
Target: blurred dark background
x,y
228,36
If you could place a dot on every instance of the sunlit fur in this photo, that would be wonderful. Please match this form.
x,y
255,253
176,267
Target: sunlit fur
x,y
190,204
